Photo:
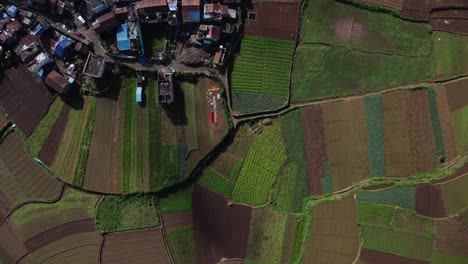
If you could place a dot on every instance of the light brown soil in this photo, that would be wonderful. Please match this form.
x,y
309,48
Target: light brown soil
x,y
177,219
334,233
138,246
452,236
214,221
444,116
370,256
274,20
59,232
429,201
51,145
315,146
103,167
346,138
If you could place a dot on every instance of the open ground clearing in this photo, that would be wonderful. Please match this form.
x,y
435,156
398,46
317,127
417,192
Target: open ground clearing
x,y
21,178
177,220
211,215
451,236
143,245
27,104
333,233
454,21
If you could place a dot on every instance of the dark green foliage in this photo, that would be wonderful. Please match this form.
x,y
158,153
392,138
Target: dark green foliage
x,y
179,200
291,126
216,182
252,102
291,188
326,181
154,133
399,196
126,213
436,127
236,170
375,135
375,214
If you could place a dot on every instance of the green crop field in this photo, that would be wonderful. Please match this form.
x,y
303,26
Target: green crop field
x,y
435,121
338,71
182,245
375,137
381,32
253,102
217,183
179,200
451,54
441,257
131,164
375,214
43,129
154,132
397,242
411,222
399,196
261,166
454,194
126,213
267,228
459,121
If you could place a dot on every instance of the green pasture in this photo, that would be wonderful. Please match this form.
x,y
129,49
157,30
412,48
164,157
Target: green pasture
x,y
181,243
459,121
454,195
374,214
450,55
442,257
217,183
179,200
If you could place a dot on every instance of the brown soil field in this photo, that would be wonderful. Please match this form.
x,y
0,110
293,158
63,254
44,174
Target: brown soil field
x,y
444,4
429,201
457,93
6,206
408,140
418,10
394,4
444,116
288,239
452,236
334,235
460,172
454,21
214,221
137,246
104,161
378,187
59,232
346,137
142,148
12,247
274,20
177,219
74,249
3,120
51,145
370,256
316,150
24,97
52,220
32,179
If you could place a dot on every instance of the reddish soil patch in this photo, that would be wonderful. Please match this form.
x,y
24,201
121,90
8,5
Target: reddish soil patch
x,y
378,187
394,4
316,149
59,232
5,206
457,94
177,219
11,246
221,231
51,145
370,256
445,4
429,200
462,171
452,236
274,20
416,9
138,246
24,97
444,116
454,21
343,28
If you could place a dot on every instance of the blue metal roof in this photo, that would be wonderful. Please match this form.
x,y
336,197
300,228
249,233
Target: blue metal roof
x,y
139,92
123,42
12,10
194,16
62,49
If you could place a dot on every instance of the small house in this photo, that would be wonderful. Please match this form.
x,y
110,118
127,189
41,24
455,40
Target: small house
x,y
129,37
12,11
94,66
121,13
64,48
57,82
153,10
105,22
139,94
214,12
165,89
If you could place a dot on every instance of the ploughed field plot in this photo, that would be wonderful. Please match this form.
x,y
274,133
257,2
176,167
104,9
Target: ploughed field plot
x,y
137,246
116,145
21,178
333,235
382,49
261,72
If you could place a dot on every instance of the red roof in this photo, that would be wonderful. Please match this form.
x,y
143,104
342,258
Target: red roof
x,y
190,2
56,81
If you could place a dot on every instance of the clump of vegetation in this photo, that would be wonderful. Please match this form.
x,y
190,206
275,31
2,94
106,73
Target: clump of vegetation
x,y
216,182
125,213
435,120
180,200
375,135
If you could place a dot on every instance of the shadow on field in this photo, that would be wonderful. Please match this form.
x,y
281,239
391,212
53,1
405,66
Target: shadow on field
x,y
176,112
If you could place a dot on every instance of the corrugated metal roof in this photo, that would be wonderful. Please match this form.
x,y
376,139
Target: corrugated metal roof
x,y
123,42
139,93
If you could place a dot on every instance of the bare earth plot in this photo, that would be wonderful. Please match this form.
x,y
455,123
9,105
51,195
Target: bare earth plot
x,y
142,246
393,4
